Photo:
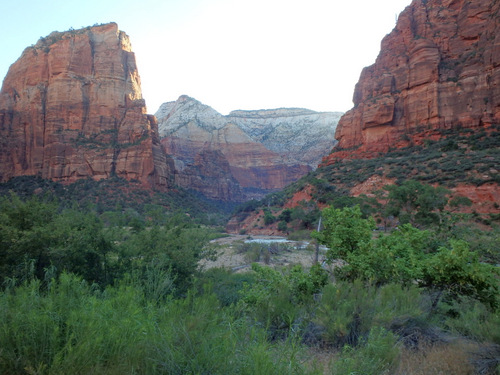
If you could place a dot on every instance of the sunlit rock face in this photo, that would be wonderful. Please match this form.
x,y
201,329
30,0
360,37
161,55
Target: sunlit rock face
x,y
439,69
264,150
71,107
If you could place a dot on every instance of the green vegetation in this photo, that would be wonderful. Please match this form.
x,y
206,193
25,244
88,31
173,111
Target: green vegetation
x,y
72,327
345,232
103,278
416,203
463,157
119,202
406,256
456,158
37,237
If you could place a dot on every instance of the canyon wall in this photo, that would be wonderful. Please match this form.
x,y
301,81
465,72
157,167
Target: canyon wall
x,y
71,107
262,151
438,70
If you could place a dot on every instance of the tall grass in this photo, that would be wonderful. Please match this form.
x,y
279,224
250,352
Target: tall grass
x,y
68,326
377,355
73,328
472,319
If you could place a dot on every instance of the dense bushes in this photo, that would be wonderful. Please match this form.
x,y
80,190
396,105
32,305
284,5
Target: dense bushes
x,y
36,236
406,256
112,198
71,327
453,159
348,310
80,295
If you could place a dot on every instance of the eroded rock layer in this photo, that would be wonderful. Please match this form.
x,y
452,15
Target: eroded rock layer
x,y
71,107
262,151
439,69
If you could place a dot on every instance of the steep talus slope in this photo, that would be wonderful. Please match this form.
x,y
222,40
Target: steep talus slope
x,y
71,107
264,150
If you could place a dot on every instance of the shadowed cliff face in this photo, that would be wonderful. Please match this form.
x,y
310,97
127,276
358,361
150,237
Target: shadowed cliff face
x,y
439,69
71,107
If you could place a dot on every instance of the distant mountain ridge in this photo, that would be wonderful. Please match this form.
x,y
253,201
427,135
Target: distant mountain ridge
x,y
264,149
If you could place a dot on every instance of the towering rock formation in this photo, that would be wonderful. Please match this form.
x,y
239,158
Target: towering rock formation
x,y
439,69
256,151
71,107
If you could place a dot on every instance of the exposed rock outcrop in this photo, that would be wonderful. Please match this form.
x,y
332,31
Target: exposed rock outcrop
x,y
265,150
297,134
71,107
210,174
439,69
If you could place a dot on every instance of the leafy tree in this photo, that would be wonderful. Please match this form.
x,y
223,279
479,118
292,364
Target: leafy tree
x,y
282,226
285,215
176,246
269,218
416,203
278,299
389,258
345,231
34,236
406,256
457,271
82,247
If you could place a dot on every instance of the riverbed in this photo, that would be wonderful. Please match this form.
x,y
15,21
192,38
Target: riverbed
x,y
289,252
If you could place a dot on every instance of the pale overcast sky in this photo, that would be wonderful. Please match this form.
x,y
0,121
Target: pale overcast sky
x,y
229,54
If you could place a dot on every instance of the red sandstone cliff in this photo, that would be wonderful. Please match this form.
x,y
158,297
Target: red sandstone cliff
x,y
71,107
438,74
246,169
438,69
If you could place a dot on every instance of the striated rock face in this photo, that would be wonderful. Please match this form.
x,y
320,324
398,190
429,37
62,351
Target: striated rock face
x,y
71,107
297,134
439,69
265,150
210,174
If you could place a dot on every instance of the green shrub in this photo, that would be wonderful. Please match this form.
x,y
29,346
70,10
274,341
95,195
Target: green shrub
x,y
72,327
377,354
285,215
347,311
225,284
278,300
282,227
344,231
471,318
457,272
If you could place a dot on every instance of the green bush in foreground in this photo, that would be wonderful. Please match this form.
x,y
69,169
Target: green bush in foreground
x,y
73,328
348,310
376,355
406,256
